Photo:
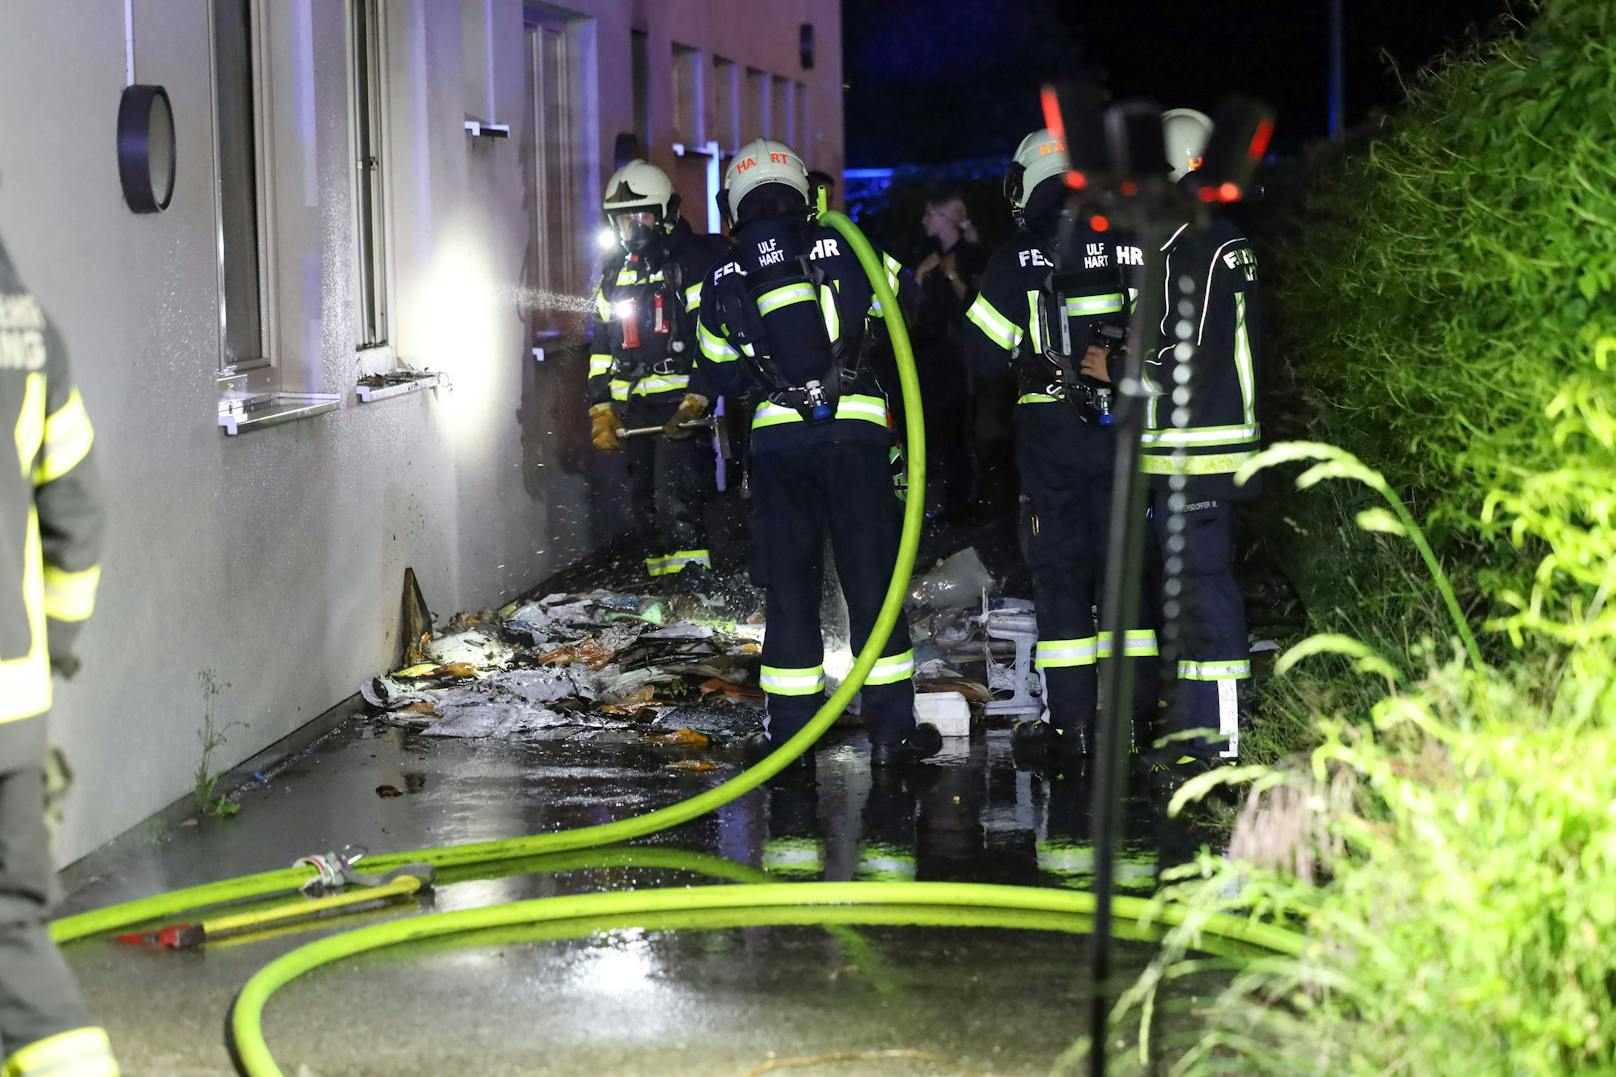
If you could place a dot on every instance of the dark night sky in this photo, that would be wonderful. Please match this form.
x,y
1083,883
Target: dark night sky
x,y
939,80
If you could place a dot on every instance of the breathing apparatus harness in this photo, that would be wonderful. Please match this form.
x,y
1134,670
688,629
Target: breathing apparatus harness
x,y
651,328
1089,398
771,309
1041,210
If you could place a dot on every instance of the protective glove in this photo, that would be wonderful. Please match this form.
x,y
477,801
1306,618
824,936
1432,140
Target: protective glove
x,y
693,406
604,428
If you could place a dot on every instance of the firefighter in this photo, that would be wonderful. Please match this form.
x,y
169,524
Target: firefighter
x,y
1201,425
50,541
787,318
642,372
1049,292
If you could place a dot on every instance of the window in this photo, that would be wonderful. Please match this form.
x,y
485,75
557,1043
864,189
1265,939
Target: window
x,y
369,203
727,104
241,314
559,156
640,61
755,118
781,112
805,134
476,59
688,111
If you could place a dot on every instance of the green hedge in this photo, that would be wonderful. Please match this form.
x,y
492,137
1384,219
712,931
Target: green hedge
x,y
1440,286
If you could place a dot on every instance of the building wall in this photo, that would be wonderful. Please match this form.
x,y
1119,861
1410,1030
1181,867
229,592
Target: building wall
x,y
269,565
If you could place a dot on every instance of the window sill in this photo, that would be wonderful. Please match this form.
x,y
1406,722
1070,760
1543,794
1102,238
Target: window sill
x,y
378,387
241,412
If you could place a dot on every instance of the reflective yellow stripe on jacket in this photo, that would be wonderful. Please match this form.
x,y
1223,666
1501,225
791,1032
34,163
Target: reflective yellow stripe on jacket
x,y
30,432
994,325
25,683
70,596
68,437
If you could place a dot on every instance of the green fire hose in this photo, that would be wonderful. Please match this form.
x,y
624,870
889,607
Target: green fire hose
x,y
938,904
706,907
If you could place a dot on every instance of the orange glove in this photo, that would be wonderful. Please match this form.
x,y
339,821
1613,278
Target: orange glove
x,y
604,428
693,406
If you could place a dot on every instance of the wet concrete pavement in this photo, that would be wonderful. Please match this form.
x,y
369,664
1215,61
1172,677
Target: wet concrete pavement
x,y
629,1001
881,999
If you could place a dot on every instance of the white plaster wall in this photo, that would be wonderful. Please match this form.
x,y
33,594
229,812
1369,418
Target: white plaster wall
x,y
274,560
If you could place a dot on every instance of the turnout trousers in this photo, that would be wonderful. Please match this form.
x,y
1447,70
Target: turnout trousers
x,y
799,495
671,482
1204,623
43,1024
1066,480
1204,640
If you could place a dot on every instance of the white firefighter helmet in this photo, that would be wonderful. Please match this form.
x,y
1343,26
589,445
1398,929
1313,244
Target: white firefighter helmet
x,y
759,162
1040,156
1185,133
638,187
640,205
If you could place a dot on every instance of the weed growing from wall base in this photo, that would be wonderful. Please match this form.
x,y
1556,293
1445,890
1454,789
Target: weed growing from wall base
x,y
213,737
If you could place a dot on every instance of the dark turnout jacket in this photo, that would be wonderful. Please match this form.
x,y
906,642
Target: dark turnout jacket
x,y
1214,430
50,520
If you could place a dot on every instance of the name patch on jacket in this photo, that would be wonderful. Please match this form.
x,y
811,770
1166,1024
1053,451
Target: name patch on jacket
x,y
769,253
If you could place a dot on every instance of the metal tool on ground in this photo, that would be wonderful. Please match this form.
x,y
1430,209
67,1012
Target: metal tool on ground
x,y
401,883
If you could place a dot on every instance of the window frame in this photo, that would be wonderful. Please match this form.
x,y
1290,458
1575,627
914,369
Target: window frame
x,y
373,329
260,366
757,99
640,81
571,269
727,103
689,93
805,143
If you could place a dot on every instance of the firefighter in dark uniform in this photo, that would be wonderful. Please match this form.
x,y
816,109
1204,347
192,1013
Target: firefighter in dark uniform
x,y
1045,296
1201,426
787,318
50,543
642,372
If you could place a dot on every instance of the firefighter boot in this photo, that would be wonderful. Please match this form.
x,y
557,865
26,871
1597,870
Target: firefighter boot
x,y
923,743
